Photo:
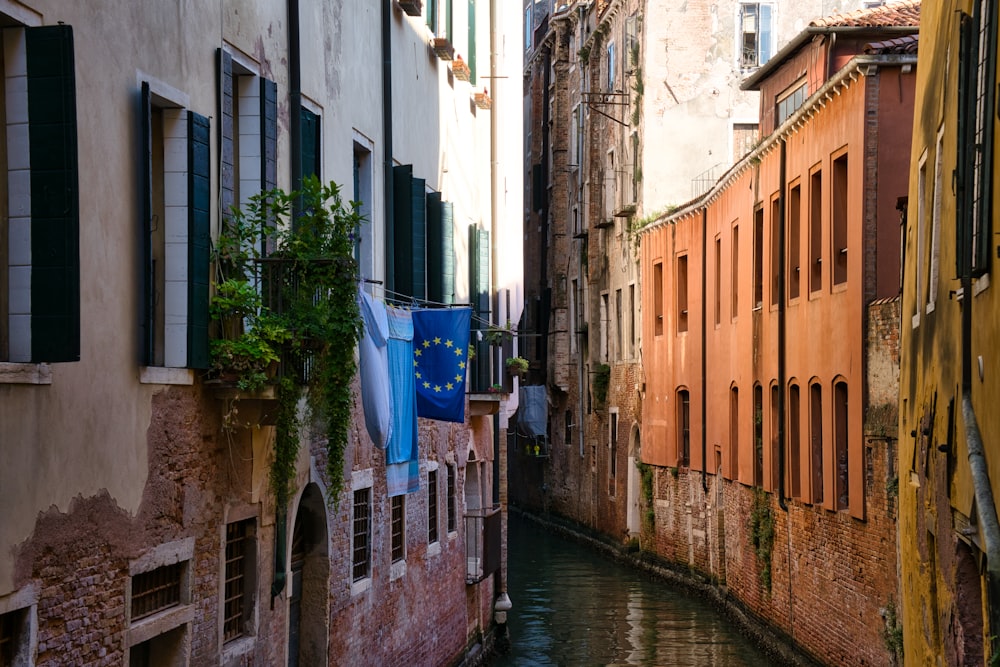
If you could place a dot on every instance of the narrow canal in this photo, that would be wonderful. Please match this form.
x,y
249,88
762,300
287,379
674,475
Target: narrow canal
x,y
573,607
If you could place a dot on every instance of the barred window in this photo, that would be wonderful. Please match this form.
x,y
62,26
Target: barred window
x,y
432,506
451,498
240,566
361,559
398,528
156,590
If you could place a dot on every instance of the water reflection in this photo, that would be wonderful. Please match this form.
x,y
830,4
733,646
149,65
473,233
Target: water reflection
x,y
574,607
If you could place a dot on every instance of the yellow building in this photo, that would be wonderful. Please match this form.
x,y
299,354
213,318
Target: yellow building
x,y
949,469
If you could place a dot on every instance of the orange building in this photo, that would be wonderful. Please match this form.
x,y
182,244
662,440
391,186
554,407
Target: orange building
x,y
770,333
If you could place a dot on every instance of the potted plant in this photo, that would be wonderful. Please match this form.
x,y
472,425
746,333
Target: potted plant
x,y
517,365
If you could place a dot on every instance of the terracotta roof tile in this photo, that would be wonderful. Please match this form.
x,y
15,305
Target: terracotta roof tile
x,y
905,13
900,45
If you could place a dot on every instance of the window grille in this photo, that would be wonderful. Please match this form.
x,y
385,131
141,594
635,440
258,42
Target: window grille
x,y
451,498
156,590
239,537
361,560
432,507
398,528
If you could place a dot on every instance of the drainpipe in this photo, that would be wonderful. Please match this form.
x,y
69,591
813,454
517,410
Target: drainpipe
x,y
390,269
295,92
704,388
781,328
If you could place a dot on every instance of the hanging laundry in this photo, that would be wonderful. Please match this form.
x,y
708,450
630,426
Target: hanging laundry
x,y
440,357
376,392
402,466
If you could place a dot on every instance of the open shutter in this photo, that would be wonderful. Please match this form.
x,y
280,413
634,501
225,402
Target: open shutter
x,y
479,291
402,185
418,238
472,42
447,252
147,300
434,247
55,208
199,239
269,133
310,144
227,184
966,137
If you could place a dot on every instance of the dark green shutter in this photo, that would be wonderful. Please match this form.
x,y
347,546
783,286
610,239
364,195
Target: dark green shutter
x,y
199,239
310,145
983,241
966,136
147,300
227,179
447,252
447,22
418,239
269,133
402,184
432,16
55,207
435,291
472,42
479,291
537,188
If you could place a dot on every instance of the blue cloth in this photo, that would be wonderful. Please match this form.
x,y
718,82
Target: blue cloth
x,y
401,453
440,356
376,392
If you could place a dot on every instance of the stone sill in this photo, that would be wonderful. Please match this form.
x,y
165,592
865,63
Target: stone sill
x,y
20,373
164,375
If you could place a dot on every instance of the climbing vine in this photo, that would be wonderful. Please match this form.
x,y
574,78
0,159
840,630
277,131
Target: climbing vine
x,y
761,528
646,487
602,378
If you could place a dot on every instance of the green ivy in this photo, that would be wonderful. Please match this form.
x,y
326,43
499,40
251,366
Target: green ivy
x,y
646,488
602,378
892,633
761,528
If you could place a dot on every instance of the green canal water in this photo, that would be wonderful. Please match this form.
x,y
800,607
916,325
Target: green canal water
x,y
574,607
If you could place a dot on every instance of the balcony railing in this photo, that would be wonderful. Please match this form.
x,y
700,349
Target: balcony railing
x,y
483,533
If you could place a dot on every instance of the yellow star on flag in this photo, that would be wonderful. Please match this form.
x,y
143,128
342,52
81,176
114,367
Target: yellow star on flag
x,y
458,352
448,343
449,386
461,364
419,375
417,353
427,343
458,378
437,340
437,388
427,385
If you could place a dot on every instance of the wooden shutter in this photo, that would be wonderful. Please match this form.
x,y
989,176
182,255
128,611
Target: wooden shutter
x,y
418,238
310,146
147,300
402,185
227,178
479,286
472,42
269,133
55,208
435,291
199,239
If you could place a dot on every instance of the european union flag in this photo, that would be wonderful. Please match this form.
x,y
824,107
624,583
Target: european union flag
x,y
440,357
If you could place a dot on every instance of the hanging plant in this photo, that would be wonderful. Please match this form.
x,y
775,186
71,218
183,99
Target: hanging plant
x,y
305,314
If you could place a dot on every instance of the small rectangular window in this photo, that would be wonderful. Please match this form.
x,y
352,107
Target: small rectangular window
x,y
758,257
362,529
735,277
432,506
841,442
758,436
794,447
839,223
816,436
775,258
156,590
682,293
15,635
683,428
816,231
734,434
240,568
756,39
794,241
658,299
398,527
718,281
452,508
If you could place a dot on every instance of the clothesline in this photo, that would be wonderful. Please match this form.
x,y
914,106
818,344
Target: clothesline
x,y
413,301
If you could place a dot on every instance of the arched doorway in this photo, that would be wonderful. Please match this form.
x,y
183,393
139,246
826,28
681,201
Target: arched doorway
x,y
308,604
633,514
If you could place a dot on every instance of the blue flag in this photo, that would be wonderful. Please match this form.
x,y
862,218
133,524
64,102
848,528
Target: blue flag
x,y
440,358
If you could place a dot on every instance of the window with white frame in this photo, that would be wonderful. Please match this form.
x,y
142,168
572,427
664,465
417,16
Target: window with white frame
x,y
363,193
611,67
918,278
756,33
932,276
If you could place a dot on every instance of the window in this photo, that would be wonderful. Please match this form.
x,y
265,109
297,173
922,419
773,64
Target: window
x,y
756,42
631,324
398,529
838,225
735,277
15,633
568,427
758,257
790,100
918,279
527,28
604,327
683,428
176,237
775,258
432,506
611,67
618,325
841,443
364,251
734,433
241,566
432,19
361,531
682,293
816,231
774,435
39,293
974,177
156,590
718,281
794,469
932,275
816,440
794,241
658,299
612,449
758,435
452,508
310,144
745,137
574,314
